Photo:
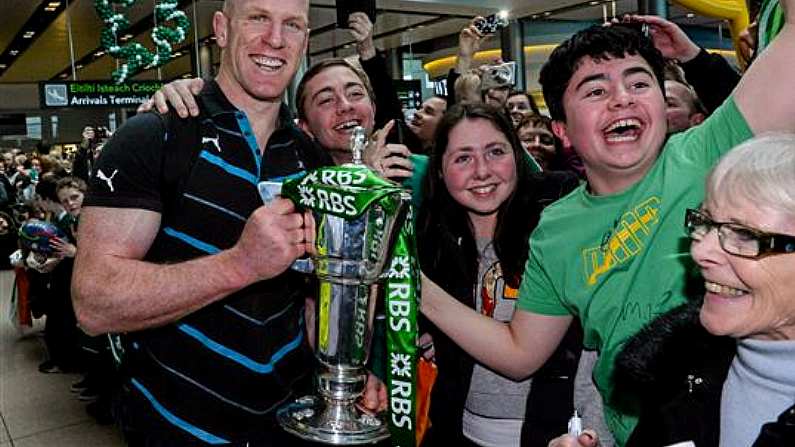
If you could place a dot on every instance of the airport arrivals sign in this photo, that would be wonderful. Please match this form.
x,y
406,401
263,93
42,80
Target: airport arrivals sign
x,y
81,94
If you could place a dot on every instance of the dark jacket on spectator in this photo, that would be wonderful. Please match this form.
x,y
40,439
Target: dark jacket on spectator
x,y
678,369
712,78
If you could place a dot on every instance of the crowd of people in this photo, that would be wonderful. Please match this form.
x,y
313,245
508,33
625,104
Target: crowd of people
x,y
47,188
557,273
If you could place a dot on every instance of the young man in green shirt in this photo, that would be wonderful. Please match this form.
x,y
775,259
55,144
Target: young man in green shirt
x,y
612,253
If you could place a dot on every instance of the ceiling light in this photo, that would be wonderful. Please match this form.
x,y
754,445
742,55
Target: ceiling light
x,y
594,3
99,53
2,66
79,66
13,52
690,15
49,9
547,14
28,34
53,4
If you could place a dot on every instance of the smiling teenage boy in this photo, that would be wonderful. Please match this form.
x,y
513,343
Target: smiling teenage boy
x,y
612,253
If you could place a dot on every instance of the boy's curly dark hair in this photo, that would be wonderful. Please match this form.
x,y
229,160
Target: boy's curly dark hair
x,y
599,43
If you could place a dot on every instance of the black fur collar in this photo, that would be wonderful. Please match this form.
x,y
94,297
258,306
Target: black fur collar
x,y
672,346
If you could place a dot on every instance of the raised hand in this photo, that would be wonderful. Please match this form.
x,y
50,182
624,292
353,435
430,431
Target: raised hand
x,y
469,41
362,31
389,160
668,37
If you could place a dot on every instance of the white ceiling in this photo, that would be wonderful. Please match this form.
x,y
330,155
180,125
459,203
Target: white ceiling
x,y
399,23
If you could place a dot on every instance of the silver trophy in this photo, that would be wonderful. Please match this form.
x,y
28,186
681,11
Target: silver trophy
x,y
354,254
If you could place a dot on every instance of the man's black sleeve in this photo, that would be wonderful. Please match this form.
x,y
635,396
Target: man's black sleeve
x,y
129,171
387,103
712,77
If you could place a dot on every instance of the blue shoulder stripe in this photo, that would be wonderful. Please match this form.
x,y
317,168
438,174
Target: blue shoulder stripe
x,y
215,206
284,178
173,419
192,241
262,368
248,133
229,168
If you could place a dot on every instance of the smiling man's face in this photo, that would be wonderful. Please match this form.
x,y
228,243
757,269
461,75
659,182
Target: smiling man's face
x,y
263,42
335,101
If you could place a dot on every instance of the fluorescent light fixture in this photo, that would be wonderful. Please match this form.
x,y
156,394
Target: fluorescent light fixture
x,y
28,34
690,15
13,52
594,3
2,66
53,4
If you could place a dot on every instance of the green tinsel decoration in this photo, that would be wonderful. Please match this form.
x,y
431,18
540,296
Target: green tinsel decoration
x,y
135,57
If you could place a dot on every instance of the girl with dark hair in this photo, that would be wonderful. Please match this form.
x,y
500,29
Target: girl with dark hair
x,y
480,206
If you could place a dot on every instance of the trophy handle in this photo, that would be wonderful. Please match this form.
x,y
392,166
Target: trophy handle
x,y
303,265
268,192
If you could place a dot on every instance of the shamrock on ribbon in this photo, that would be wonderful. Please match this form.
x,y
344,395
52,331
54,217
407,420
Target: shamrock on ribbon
x,y
135,57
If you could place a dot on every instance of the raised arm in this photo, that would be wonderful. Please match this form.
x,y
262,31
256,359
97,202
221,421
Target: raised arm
x,y
387,103
765,95
469,40
517,349
710,74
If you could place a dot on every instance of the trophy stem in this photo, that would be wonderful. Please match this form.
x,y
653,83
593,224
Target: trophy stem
x,y
340,386
344,332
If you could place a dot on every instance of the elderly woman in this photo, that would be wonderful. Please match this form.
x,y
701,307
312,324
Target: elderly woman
x,y
721,371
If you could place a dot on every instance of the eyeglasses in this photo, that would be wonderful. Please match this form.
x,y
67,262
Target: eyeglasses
x,y
738,239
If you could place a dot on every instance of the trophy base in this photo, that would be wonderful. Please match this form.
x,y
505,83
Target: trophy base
x,y
313,419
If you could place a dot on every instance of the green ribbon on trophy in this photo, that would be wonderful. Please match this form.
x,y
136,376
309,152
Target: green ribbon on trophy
x,y
347,192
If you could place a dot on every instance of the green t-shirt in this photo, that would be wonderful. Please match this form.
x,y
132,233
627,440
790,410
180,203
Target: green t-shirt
x,y
618,261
